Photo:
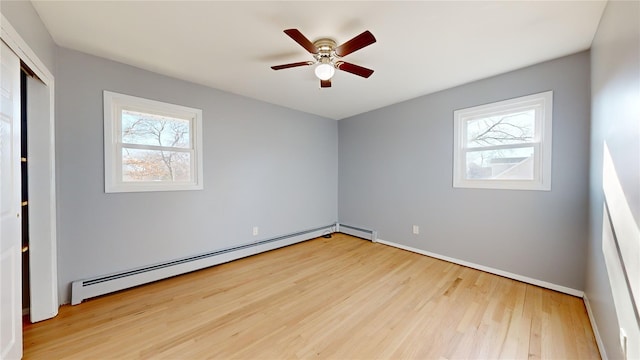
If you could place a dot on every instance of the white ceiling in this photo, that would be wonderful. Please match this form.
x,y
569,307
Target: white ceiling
x,y
422,47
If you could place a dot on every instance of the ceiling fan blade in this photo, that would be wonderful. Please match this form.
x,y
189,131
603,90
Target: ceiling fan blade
x,y
355,44
354,69
286,66
302,40
325,83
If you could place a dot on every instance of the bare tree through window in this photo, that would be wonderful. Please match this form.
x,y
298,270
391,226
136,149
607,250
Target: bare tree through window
x,y
163,147
501,130
487,137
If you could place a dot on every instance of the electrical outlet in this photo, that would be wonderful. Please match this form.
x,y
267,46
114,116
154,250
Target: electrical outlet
x,y
255,231
623,343
416,229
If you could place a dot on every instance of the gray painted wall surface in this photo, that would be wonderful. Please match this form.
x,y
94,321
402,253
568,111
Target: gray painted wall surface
x,y
24,18
264,166
615,91
395,168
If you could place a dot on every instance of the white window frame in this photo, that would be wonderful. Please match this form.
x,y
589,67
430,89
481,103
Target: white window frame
x,y
114,104
542,103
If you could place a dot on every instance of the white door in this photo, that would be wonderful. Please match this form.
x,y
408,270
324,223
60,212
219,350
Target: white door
x,y
10,207
42,271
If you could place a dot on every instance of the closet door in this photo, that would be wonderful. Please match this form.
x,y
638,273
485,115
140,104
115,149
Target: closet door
x,y
10,207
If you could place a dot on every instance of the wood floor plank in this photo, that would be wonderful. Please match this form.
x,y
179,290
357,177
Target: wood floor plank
x,y
334,298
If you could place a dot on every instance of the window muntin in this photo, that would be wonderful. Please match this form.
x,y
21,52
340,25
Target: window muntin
x,y
151,145
504,145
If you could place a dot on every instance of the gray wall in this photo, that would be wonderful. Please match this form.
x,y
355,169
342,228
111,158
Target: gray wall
x,y
24,18
615,91
276,168
264,165
395,168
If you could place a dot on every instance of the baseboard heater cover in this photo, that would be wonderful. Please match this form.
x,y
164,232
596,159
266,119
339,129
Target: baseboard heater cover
x,y
358,232
88,288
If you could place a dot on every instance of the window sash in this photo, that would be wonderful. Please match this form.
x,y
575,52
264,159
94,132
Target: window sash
x,y
120,174
537,163
537,124
169,115
120,145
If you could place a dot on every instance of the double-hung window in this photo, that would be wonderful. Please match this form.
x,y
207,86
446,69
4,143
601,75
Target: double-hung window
x,y
504,145
151,145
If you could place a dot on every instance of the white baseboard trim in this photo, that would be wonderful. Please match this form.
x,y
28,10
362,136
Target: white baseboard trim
x,y
525,279
594,326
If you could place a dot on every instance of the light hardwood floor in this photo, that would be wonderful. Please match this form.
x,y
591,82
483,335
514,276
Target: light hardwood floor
x,y
340,298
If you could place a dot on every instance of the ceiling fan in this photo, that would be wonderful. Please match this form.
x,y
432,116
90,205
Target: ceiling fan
x,y
327,55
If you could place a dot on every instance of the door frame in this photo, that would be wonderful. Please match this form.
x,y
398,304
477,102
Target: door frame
x,y
44,268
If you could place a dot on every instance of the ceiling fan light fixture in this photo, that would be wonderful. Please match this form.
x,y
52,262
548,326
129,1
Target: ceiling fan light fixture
x,y
327,56
325,71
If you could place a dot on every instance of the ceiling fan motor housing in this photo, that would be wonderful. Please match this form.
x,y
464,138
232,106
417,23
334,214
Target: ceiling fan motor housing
x,y
326,49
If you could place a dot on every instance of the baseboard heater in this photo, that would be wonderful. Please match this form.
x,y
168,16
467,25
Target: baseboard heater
x,y
88,288
358,232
